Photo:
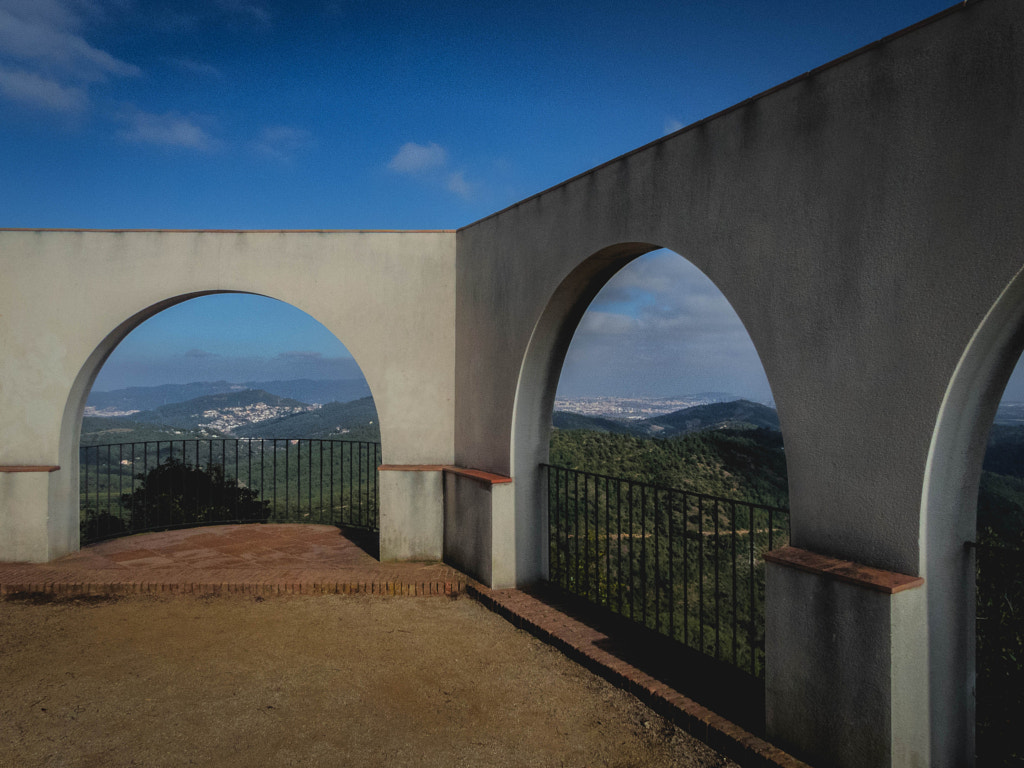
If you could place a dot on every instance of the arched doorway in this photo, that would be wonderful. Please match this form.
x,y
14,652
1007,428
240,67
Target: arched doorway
x,y
632,521
246,424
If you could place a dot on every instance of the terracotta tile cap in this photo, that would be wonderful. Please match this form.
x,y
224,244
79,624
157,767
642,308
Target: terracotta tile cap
x,y
859,575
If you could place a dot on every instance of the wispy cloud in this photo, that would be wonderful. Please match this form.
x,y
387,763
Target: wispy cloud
x,y
417,158
282,142
253,11
457,183
169,129
671,126
40,92
430,162
46,60
193,67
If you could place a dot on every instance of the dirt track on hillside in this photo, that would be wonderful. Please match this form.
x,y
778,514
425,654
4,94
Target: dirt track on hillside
x,y
306,681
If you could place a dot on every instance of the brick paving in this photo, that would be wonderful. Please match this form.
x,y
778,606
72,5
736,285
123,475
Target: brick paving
x,y
252,559
320,559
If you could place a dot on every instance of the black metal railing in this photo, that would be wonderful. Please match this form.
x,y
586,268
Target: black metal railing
x,y
1000,648
159,485
686,565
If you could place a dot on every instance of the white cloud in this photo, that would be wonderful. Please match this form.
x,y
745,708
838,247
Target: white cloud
x,y
429,162
282,142
37,91
45,35
671,126
457,183
169,129
45,60
418,158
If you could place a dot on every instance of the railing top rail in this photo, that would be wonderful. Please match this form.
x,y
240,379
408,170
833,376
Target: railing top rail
x,y
654,487
229,440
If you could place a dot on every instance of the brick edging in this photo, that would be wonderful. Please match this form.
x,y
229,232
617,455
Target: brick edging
x,y
388,587
714,730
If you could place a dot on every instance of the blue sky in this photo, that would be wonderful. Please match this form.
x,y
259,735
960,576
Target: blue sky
x,y
373,114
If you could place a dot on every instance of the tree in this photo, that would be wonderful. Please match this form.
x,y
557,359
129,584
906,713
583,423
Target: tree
x,y
178,495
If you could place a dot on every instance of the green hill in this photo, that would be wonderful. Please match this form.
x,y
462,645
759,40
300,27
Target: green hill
x,y
356,420
747,464
566,420
736,415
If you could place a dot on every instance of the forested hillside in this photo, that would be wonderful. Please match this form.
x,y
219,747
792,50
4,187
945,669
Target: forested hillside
x,y
740,464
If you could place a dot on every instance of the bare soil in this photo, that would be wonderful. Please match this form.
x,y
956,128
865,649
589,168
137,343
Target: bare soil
x,y
306,681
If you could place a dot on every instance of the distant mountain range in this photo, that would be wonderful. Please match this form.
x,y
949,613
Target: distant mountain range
x,y
737,414
151,398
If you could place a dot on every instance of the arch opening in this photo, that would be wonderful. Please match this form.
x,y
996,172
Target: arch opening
x,y
255,412
637,479
949,517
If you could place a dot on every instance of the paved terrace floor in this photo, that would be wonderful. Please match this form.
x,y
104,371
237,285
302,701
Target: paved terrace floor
x,y
320,559
257,559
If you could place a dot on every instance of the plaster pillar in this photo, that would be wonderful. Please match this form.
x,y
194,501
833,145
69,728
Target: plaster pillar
x,y
846,669
479,525
411,512
24,490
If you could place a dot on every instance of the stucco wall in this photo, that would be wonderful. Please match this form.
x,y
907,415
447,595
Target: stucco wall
x,y
69,297
862,220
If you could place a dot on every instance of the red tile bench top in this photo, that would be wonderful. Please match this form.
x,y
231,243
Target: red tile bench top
x,y
865,576
475,474
28,467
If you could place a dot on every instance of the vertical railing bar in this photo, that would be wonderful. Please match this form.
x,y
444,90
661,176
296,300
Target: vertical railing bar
x,y
700,567
718,582
632,530
607,544
643,550
657,557
586,536
131,511
108,479
752,614
735,612
618,537
671,567
576,531
565,529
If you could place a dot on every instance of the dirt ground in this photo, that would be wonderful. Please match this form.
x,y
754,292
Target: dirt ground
x,y
306,681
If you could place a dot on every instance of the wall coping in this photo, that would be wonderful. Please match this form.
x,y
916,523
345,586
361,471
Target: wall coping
x,y
475,474
28,467
876,579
